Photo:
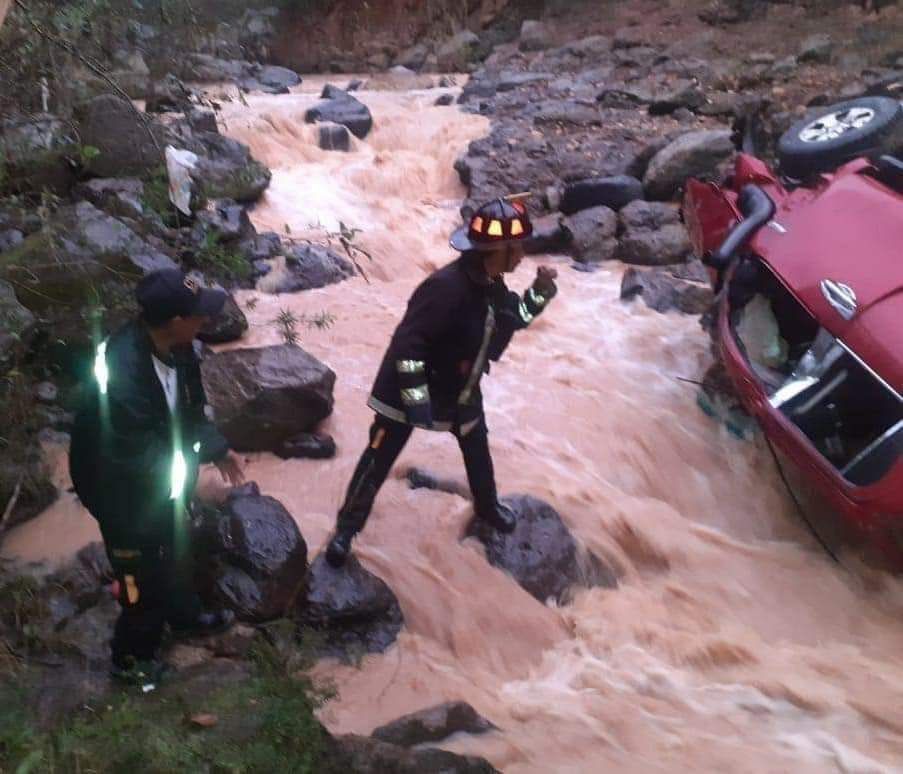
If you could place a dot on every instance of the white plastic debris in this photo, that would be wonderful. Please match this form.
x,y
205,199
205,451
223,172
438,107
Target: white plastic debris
x,y
758,330
179,164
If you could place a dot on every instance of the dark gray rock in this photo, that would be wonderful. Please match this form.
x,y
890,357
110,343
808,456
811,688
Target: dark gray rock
x,y
509,81
663,291
256,557
201,120
353,609
817,49
433,725
35,153
703,154
227,220
261,247
312,446
445,100
334,137
206,68
129,142
549,236
229,325
629,37
565,111
17,327
612,192
81,582
88,633
270,79
593,234
226,169
414,57
364,755
354,85
167,96
345,110
46,392
541,554
312,266
26,480
258,32
10,239
333,92
117,196
263,396
593,48
653,234
534,36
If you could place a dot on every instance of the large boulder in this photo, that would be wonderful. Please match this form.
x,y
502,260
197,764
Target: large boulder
x,y
129,141
270,79
364,755
17,326
664,290
433,725
229,325
345,110
121,197
593,234
541,554
612,192
312,266
206,68
226,169
458,52
26,482
534,36
354,611
35,155
653,234
255,555
703,154
266,395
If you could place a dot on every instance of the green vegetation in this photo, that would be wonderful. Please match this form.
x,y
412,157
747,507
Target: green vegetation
x,y
221,261
260,723
156,196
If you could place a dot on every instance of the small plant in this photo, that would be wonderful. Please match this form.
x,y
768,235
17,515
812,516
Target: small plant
x,y
156,196
287,323
346,236
221,260
251,303
86,154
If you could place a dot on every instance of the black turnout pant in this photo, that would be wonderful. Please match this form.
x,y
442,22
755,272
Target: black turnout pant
x,y
156,587
387,439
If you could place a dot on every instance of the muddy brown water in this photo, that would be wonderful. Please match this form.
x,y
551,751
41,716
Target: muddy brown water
x,y
732,644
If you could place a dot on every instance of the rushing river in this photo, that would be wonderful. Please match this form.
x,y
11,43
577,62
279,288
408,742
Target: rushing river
x,y
733,643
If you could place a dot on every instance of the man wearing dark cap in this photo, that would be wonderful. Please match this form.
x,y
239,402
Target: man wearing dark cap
x,y
139,437
457,321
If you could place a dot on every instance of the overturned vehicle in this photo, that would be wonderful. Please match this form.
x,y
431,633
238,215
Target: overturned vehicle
x,y
809,264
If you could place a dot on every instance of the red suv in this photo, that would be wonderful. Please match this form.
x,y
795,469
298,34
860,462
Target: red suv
x,y
809,265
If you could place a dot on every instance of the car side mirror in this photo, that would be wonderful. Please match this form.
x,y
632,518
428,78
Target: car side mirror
x,y
757,209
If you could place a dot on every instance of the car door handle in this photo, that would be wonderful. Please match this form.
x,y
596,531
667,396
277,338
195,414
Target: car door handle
x,y
841,297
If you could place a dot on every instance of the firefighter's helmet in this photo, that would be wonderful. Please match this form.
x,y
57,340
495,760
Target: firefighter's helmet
x,y
495,223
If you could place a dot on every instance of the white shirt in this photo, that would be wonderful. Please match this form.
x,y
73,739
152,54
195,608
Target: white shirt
x,y
169,382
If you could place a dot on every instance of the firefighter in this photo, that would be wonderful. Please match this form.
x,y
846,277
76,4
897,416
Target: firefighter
x,y
140,435
457,321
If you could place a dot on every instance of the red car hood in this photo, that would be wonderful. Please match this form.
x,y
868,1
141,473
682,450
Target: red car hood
x,y
850,232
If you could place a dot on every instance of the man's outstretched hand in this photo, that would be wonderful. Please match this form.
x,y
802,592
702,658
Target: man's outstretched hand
x,y
544,284
232,469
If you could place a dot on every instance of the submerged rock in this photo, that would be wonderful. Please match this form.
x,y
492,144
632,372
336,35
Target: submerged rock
x,y
541,554
258,557
355,611
343,109
433,725
263,396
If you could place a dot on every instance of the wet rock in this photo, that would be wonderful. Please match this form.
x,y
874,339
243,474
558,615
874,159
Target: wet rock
x,y
363,755
345,110
334,137
258,558
653,234
457,53
433,725
612,192
399,79
34,154
206,68
226,169
129,142
263,396
414,57
17,327
226,220
593,234
354,85
88,633
117,196
509,81
333,92
534,36
82,581
817,49
629,37
270,79
355,611
261,247
566,111
541,554
480,86
26,483
10,239
663,291
168,95
549,236
702,154
229,325
311,266
445,100
312,446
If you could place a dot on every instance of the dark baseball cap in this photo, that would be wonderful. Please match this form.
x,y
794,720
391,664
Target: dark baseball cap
x,y
170,293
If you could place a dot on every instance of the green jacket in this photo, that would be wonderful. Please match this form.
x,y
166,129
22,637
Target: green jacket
x,y
127,447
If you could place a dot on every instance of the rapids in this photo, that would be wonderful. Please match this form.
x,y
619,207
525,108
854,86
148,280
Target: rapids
x,y
733,643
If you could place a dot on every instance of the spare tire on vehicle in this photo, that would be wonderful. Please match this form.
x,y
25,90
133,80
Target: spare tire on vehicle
x,y
839,133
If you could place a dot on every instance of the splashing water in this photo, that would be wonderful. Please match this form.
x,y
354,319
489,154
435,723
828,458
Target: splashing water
x,y
732,644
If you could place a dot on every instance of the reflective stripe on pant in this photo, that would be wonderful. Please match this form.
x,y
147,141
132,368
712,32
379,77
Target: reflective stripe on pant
x,y
154,589
387,440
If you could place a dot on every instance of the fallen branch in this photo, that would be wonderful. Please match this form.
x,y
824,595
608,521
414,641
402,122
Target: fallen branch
x,y
95,67
11,504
